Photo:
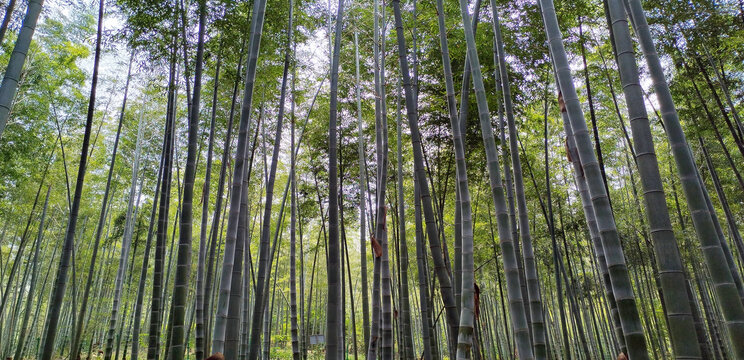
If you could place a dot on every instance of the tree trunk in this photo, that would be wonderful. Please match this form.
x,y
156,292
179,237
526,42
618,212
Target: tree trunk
x,y
156,303
445,284
466,273
293,222
183,268
264,260
216,230
12,76
380,130
58,292
462,123
539,340
334,323
733,310
672,278
6,19
201,266
362,197
257,22
130,222
509,257
405,318
592,112
618,271
145,261
34,275
557,259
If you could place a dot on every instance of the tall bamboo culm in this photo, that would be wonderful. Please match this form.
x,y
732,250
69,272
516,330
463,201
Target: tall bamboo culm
x,y
334,322
435,246
58,291
621,285
254,43
509,257
539,340
671,272
12,77
465,230
725,290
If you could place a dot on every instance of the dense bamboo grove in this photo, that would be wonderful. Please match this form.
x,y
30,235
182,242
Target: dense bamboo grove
x,y
214,179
